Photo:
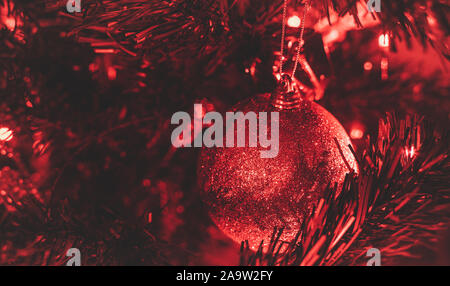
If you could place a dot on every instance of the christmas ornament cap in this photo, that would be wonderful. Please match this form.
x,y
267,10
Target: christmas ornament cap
x,y
288,95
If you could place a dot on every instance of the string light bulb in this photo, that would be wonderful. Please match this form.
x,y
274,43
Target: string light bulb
x,y
383,40
294,21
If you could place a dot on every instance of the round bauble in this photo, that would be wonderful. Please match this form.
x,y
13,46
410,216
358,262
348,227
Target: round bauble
x,y
248,196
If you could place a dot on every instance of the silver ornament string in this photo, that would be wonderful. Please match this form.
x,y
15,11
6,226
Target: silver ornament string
x,y
283,34
300,37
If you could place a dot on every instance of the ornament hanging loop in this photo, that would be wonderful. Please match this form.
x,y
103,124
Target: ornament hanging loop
x,y
301,42
288,95
300,36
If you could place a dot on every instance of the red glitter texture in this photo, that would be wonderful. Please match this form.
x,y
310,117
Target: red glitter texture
x,y
248,196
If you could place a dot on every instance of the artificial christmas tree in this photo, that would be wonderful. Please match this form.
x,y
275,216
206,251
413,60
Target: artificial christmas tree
x,y
95,90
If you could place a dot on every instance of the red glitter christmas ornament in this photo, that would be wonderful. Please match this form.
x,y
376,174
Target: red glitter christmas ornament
x,y
248,196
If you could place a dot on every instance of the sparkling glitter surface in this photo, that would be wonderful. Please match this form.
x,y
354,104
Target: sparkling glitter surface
x,y
248,195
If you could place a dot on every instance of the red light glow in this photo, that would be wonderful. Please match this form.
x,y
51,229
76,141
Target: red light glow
x,y
10,23
112,73
331,37
150,217
384,68
356,133
104,51
294,22
383,40
411,152
431,20
146,183
368,66
6,134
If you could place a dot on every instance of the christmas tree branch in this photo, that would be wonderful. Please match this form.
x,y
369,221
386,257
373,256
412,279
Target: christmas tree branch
x,y
401,186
